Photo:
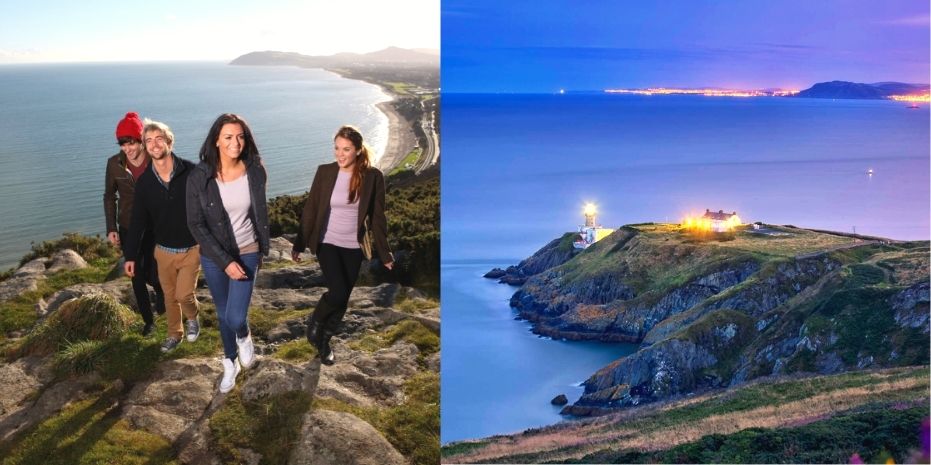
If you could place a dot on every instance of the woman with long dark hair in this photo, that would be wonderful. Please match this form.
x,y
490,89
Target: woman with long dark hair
x,y
228,217
342,220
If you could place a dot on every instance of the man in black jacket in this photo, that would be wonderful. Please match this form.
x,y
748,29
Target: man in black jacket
x,y
159,209
123,170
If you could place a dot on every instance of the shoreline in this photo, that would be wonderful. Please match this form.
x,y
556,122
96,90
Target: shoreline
x,y
401,138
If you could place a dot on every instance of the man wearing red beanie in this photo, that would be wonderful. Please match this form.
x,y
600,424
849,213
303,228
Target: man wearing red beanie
x,y
123,170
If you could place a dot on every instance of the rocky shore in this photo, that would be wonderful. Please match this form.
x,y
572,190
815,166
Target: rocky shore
x,y
714,314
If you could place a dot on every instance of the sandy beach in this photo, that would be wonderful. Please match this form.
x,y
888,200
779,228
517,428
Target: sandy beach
x,y
401,138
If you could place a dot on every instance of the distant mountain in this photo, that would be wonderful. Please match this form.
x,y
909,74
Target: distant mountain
x,y
855,90
389,56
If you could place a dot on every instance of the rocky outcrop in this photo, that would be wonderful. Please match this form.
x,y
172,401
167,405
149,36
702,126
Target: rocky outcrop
x,y
66,260
557,252
662,370
911,307
325,436
25,279
560,400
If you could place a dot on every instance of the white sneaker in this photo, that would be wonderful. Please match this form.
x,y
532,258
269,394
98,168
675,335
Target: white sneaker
x,y
230,370
246,350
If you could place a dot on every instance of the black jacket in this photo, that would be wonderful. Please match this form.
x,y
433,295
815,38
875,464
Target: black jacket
x,y
160,210
208,220
316,211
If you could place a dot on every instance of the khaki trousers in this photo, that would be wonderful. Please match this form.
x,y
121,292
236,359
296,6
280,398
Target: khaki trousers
x,y
177,273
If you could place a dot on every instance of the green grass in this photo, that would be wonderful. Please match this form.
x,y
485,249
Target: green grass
x,y
768,394
94,317
261,321
87,432
413,428
415,306
408,162
407,330
298,350
269,426
876,435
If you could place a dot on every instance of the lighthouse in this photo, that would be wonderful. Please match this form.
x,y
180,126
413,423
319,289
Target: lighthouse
x,y
591,232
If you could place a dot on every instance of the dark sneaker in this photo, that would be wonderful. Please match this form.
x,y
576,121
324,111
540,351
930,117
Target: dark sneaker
x,y
147,329
192,330
170,344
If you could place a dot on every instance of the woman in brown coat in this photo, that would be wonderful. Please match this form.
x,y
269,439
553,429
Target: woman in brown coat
x,y
344,213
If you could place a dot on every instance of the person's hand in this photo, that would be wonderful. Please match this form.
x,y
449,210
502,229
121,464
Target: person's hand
x,y
389,265
130,269
114,238
234,271
296,256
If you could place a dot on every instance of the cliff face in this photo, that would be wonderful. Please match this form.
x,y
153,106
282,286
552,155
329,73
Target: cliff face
x,y
715,314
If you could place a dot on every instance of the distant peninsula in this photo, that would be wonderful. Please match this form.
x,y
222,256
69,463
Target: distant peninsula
x,y
856,90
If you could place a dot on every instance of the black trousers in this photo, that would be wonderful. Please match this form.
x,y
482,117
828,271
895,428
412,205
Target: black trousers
x,y
340,267
146,273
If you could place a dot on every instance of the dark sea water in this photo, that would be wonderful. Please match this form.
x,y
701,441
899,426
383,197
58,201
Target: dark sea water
x,y
58,124
518,168
498,377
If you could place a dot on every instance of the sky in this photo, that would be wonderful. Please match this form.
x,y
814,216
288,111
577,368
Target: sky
x,y
544,46
127,30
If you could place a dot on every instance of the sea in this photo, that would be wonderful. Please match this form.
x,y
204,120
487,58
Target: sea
x,y
517,170
497,376
58,123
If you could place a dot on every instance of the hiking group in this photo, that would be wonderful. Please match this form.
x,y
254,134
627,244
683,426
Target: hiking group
x,y
172,219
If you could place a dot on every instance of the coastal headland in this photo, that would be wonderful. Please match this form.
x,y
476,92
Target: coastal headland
x,y
409,77
721,318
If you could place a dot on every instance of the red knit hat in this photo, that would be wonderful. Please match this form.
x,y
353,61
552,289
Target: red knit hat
x,y
130,126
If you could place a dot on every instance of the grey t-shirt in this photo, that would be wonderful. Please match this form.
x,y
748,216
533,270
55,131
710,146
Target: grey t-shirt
x,y
342,227
237,202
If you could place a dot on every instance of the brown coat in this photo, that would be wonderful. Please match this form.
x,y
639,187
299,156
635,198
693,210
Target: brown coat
x,y
316,211
118,193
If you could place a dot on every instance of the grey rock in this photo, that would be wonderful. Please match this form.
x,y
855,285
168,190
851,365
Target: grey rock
x,y
560,400
911,306
66,260
52,400
32,268
300,276
270,378
371,378
25,279
176,395
338,438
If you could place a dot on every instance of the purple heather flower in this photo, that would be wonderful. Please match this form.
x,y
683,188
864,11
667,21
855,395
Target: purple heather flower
x,y
855,458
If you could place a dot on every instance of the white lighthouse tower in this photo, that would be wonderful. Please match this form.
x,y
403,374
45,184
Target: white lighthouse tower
x,y
591,232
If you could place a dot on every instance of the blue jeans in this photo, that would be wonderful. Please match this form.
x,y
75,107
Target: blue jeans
x,y
232,299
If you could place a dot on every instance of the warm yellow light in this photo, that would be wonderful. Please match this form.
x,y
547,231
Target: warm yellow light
x,y
926,98
589,209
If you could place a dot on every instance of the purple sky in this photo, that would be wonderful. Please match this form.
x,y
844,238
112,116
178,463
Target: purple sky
x,y
542,46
